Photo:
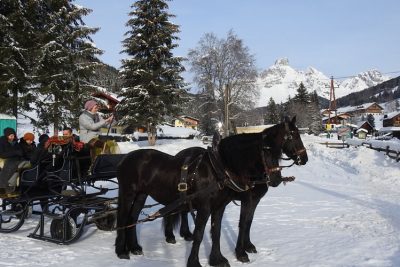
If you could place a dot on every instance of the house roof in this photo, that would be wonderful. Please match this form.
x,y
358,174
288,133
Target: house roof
x,y
391,115
359,107
361,123
189,117
6,117
389,129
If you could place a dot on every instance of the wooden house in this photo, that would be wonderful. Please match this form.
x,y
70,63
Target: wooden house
x,y
366,109
187,122
391,124
362,133
391,119
366,126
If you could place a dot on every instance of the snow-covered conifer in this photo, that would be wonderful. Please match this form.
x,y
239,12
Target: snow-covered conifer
x,y
151,74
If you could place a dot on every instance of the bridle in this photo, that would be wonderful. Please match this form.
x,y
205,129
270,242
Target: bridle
x,y
288,137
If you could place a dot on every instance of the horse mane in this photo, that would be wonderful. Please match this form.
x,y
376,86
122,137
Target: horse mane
x,y
273,138
243,151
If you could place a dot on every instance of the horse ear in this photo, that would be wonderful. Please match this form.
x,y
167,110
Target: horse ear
x,y
286,119
294,119
216,140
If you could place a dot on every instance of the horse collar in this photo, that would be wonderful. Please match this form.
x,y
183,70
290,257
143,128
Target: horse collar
x,y
218,167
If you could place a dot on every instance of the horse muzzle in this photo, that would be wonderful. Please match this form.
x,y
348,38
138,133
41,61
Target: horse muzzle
x,y
302,157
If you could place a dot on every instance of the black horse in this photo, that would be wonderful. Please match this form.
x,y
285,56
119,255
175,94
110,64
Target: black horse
x,y
238,163
294,149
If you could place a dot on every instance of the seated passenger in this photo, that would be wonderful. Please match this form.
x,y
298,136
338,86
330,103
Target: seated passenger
x,y
11,155
90,124
67,131
28,146
41,152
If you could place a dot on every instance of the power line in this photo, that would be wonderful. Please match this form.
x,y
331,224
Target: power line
x,y
352,76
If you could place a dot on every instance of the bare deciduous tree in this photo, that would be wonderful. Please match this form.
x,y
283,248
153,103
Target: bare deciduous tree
x,y
224,71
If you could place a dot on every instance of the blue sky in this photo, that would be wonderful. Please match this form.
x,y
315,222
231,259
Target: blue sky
x,y
339,38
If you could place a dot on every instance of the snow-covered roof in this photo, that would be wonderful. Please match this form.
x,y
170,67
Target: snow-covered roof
x,y
354,108
361,123
391,115
6,117
362,130
389,129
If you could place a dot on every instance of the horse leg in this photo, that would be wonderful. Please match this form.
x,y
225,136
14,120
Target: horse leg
x,y
247,209
216,257
248,246
169,222
125,202
184,230
201,220
132,241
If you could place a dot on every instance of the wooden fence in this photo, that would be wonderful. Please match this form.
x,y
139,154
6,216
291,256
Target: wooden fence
x,y
390,153
335,144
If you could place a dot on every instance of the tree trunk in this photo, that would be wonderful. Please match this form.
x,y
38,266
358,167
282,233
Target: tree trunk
x,y
151,134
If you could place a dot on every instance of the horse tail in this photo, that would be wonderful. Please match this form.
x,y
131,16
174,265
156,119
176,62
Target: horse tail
x,y
171,221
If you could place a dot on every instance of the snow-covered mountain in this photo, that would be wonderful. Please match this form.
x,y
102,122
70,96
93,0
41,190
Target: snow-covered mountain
x,y
281,81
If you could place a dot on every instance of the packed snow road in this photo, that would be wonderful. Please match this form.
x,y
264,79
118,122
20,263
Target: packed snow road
x,y
342,210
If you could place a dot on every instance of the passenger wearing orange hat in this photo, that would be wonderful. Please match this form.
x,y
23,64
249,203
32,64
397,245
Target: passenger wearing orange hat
x,y
28,145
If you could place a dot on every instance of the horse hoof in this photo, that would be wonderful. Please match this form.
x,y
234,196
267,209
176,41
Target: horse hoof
x,y
170,240
243,258
223,264
124,256
137,251
188,237
251,249
219,262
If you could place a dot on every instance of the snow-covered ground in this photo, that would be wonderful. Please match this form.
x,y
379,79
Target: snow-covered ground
x,y
342,210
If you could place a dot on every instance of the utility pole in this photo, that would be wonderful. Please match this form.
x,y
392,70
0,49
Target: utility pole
x,y
332,102
226,107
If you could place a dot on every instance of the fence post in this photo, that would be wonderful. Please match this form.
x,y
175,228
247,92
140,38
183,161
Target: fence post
x,y
387,150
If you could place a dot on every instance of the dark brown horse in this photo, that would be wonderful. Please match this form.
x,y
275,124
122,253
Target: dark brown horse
x,y
292,147
238,163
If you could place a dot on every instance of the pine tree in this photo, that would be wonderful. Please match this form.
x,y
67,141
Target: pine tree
x,y
17,54
66,61
301,94
371,120
272,115
151,75
315,125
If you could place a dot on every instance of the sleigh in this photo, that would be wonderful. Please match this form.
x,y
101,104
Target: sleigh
x,y
66,192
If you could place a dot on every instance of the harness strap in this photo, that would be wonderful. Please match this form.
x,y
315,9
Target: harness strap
x,y
183,185
222,172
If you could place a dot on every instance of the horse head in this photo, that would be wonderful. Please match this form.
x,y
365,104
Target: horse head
x,y
292,144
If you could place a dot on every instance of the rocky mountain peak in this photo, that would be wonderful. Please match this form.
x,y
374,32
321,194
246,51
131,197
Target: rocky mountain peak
x,y
281,81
